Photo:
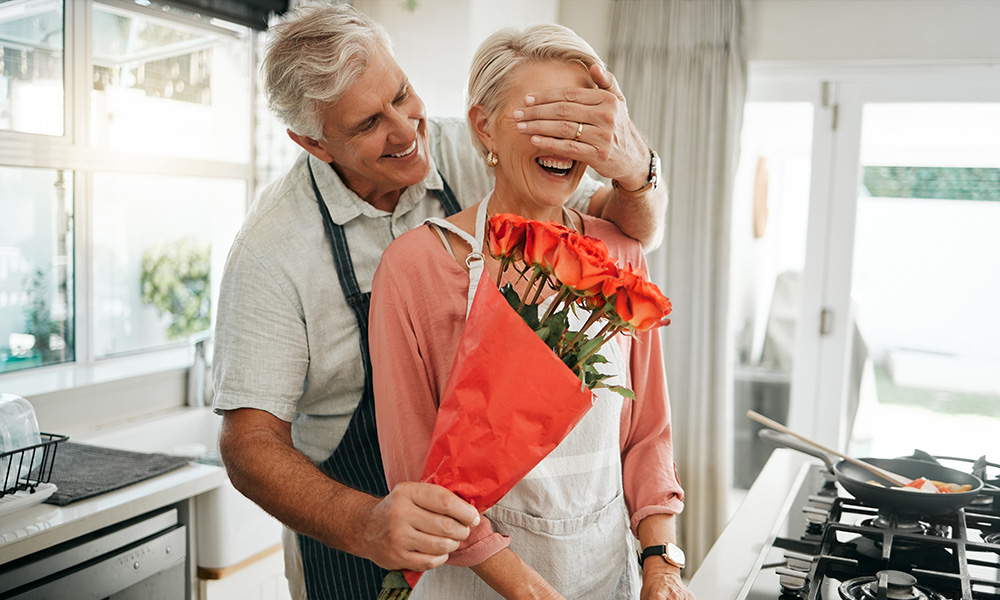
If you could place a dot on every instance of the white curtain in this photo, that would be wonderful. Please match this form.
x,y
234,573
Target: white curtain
x,y
682,66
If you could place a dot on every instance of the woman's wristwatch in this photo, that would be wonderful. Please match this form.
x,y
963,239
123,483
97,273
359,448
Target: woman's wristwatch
x,y
652,180
669,552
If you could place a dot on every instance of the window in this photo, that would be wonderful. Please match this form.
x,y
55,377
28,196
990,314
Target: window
x,y
31,66
125,171
896,333
36,273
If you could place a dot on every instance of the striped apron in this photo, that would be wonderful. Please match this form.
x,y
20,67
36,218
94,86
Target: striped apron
x,y
567,518
356,462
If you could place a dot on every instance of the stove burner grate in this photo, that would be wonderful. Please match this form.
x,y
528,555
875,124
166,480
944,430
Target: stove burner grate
x,y
904,525
892,585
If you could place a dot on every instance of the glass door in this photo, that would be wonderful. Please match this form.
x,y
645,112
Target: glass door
x,y
926,271
785,150
865,314
900,340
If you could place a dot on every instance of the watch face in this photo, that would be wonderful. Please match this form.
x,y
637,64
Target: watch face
x,y
675,554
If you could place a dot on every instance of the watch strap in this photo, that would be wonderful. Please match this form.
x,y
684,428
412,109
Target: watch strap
x,y
660,550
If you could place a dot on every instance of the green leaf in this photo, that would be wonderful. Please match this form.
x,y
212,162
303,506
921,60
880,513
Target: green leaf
x,y
558,322
596,359
589,346
511,296
395,579
529,313
624,391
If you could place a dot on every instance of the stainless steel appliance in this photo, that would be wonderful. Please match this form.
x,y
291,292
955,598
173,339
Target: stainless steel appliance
x,y
140,559
833,547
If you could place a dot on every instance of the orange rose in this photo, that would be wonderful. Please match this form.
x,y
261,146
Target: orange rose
x,y
638,302
506,235
541,240
582,263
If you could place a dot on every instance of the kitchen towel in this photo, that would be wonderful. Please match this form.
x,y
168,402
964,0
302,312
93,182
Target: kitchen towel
x,y
82,471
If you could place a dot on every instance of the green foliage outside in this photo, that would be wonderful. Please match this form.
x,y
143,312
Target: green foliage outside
x,y
942,183
38,316
175,280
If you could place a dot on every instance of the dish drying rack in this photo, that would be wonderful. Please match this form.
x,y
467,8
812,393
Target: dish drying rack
x,y
21,486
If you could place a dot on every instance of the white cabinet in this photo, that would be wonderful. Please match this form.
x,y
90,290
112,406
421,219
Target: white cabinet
x,y
259,578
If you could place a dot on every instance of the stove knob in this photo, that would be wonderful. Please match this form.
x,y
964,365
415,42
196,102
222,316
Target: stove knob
x,y
791,580
821,501
815,515
797,561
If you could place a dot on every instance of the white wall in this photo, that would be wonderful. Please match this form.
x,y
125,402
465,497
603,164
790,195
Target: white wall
x,y
591,20
851,30
435,42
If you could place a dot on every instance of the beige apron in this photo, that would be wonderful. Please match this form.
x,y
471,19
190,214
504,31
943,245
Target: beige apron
x,y
567,518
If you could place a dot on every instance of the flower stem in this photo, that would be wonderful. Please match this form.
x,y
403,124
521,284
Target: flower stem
x,y
606,328
594,316
541,286
504,263
564,291
527,290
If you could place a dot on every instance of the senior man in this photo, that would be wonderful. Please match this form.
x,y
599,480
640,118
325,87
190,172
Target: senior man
x,y
291,368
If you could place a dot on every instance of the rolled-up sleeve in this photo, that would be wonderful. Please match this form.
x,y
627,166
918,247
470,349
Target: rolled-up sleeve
x,y
648,469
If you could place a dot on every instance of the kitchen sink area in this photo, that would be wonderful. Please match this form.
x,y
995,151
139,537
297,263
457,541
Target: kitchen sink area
x,y
211,542
230,528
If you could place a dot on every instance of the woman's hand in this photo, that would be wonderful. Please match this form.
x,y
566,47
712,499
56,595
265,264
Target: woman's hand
x,y
663,584
608,141
660,579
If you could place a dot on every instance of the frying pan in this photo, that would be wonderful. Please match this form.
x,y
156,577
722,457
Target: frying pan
x,y
856,480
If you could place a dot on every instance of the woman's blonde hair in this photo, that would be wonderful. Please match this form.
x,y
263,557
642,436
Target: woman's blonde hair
x,y
499,56
313,57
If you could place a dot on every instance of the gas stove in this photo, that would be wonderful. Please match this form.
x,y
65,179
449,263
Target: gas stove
x,y
830,546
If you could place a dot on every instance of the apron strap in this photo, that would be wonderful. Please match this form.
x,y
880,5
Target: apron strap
x,y
475,258
331,574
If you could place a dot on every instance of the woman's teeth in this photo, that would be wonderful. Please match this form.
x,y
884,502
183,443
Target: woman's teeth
x,y
407,151
557,167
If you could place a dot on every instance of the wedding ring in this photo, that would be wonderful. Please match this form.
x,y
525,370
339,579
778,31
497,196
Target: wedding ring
x,y
579,132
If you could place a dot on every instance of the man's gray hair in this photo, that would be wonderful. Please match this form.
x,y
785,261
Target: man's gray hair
x,y
503,52
312,57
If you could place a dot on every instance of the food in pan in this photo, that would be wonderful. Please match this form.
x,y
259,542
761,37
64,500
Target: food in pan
x,y
922,484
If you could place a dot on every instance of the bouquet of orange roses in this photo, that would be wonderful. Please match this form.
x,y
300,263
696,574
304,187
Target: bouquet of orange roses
x,y
507,334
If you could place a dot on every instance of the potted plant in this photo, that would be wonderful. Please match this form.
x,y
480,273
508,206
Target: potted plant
x,y
175,280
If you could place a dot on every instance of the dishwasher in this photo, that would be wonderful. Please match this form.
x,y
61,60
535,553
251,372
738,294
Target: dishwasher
x,y
140,559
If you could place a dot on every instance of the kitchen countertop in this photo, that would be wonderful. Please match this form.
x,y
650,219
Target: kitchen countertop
x,y
35,528
738,552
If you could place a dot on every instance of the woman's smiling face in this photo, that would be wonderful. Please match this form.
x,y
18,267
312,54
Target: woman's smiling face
x,y
529,180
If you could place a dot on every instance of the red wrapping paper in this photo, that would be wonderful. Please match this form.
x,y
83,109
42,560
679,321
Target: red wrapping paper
x,y
508,403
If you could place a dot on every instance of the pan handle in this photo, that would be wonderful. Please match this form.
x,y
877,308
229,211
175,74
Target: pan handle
x,y
783,439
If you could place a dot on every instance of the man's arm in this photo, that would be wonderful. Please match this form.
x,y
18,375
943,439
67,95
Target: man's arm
x,y
415,527
609,142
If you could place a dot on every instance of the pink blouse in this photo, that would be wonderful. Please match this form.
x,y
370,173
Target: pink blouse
x,y
419,297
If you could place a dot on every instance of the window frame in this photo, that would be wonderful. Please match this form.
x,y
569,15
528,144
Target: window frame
x,y
72,152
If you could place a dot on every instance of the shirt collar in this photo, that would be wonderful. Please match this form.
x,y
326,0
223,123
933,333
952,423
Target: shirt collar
x,y
345,205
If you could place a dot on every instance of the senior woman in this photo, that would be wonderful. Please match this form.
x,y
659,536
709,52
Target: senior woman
x,y
566,530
